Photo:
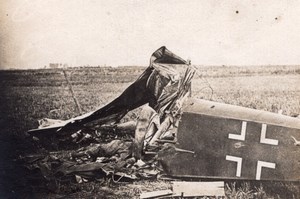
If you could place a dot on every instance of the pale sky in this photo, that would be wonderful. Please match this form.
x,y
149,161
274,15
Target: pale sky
x,y
101,32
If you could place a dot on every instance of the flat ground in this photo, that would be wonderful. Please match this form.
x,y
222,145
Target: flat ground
x,y
29,95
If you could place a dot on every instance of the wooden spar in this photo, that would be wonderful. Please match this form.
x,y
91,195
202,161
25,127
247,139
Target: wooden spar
x,y
193,189
156,194
72,92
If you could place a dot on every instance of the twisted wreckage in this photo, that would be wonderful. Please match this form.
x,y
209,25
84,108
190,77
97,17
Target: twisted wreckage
x,y
174,135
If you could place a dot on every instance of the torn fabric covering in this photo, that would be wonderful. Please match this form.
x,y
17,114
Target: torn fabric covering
x,y
157,86
178,86
163,85
164,56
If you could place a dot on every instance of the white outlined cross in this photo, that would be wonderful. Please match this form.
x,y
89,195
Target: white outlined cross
x,y
263,140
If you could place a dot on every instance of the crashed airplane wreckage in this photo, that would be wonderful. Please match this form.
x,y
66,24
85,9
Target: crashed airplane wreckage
x,y
174,135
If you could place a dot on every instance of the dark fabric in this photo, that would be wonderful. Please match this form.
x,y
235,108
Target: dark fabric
x,y
164,56
134,96
148,88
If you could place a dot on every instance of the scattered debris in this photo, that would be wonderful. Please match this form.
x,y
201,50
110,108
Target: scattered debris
x,y
97,145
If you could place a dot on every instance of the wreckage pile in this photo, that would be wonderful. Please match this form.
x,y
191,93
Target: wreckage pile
x,y
97,145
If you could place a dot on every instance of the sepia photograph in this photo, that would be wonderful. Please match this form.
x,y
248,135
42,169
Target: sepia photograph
x,y
150,99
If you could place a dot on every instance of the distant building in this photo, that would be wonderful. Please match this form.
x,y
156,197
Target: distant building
x,y
57,65
53,65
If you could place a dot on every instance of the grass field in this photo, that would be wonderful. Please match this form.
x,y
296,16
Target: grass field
x,y
29,95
